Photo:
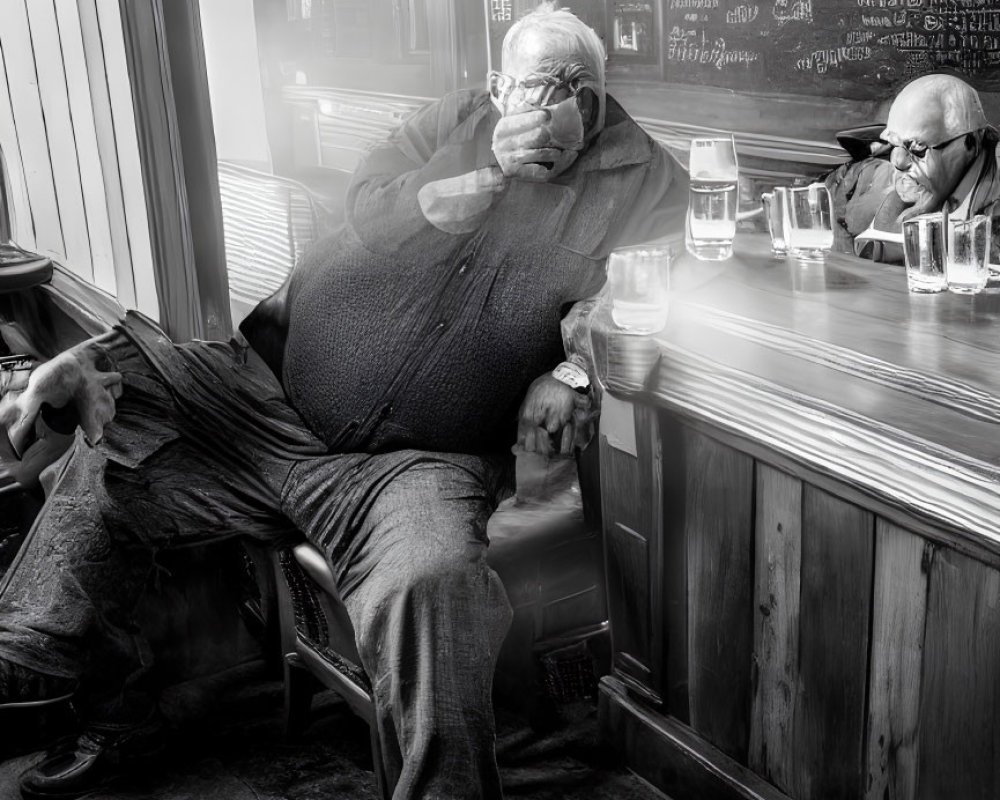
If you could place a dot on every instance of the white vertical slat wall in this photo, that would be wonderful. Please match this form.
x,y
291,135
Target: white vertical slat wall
x,y
68,136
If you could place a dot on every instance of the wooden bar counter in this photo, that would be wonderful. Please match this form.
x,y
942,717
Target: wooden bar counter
x,y
801,500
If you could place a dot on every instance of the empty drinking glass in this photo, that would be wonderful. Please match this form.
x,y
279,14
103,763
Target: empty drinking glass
x,y
774,212
968,249
808,221
713,197
639,279
923,247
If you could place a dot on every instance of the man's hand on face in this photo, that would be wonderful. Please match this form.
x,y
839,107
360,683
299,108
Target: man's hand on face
x,y
536,144
551,416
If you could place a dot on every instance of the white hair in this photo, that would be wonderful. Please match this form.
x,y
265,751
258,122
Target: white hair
x,y
577,51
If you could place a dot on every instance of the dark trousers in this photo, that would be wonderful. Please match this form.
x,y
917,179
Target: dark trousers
x,y
204,447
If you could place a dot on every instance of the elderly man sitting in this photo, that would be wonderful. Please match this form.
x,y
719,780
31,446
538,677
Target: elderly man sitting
x,y
943,155
372,408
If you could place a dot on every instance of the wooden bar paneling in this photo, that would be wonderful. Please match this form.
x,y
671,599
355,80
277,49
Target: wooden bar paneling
x,y
671,756
834,611
958,711
631,491
899,606
673,560
777,570
719,536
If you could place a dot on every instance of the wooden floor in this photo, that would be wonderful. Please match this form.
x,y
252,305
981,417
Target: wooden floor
x,y
226,743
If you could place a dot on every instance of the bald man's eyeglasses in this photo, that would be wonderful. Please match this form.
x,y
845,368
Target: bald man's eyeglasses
x,y
536,90
917,149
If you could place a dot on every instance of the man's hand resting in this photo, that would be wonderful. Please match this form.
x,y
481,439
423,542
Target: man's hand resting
x,y
552,416
71,378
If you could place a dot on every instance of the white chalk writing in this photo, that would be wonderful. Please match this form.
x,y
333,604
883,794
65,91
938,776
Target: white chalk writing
x,y
682,4
820,61
969,22
500,10
692,46
895,20
890,3
798,10
742,14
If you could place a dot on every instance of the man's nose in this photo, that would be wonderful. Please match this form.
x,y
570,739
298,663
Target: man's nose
x,y
900,158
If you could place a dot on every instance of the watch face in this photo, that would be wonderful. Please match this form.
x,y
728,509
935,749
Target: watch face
x,y
572,375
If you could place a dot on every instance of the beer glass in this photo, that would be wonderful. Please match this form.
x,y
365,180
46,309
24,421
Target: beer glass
x,y
639,279
713,197
809,221
967,254
923,247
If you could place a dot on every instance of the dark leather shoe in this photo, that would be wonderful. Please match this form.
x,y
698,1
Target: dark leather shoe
x,y
97,756
21,687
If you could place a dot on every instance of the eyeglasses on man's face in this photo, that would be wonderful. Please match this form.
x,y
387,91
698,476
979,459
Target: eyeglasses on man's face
x,y
535,90
917,149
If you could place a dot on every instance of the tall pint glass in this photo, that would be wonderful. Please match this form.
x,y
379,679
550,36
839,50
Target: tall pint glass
x,y
711,218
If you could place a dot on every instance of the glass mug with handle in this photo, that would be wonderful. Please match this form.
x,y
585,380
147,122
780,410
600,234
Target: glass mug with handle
x,y
774,214
967,253
712,199
808,218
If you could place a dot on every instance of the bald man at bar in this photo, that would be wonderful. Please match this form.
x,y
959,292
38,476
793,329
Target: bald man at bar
x,y
942,154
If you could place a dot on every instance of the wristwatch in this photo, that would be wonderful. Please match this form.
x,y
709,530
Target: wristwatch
x,y
573,375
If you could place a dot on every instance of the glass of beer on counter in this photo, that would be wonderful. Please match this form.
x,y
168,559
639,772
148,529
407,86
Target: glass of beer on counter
x,y
809,221
924,250
639,280
967,252
711,218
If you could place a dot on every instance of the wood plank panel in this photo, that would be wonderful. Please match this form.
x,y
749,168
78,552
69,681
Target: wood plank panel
x,y
627,557
673,565
958,729
671,756
719,536
899,606
778,563
835,606
627,563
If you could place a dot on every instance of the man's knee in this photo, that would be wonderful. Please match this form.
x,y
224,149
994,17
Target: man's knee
x,y
429,595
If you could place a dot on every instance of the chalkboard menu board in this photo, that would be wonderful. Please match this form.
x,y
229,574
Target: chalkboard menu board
x,y
861,49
